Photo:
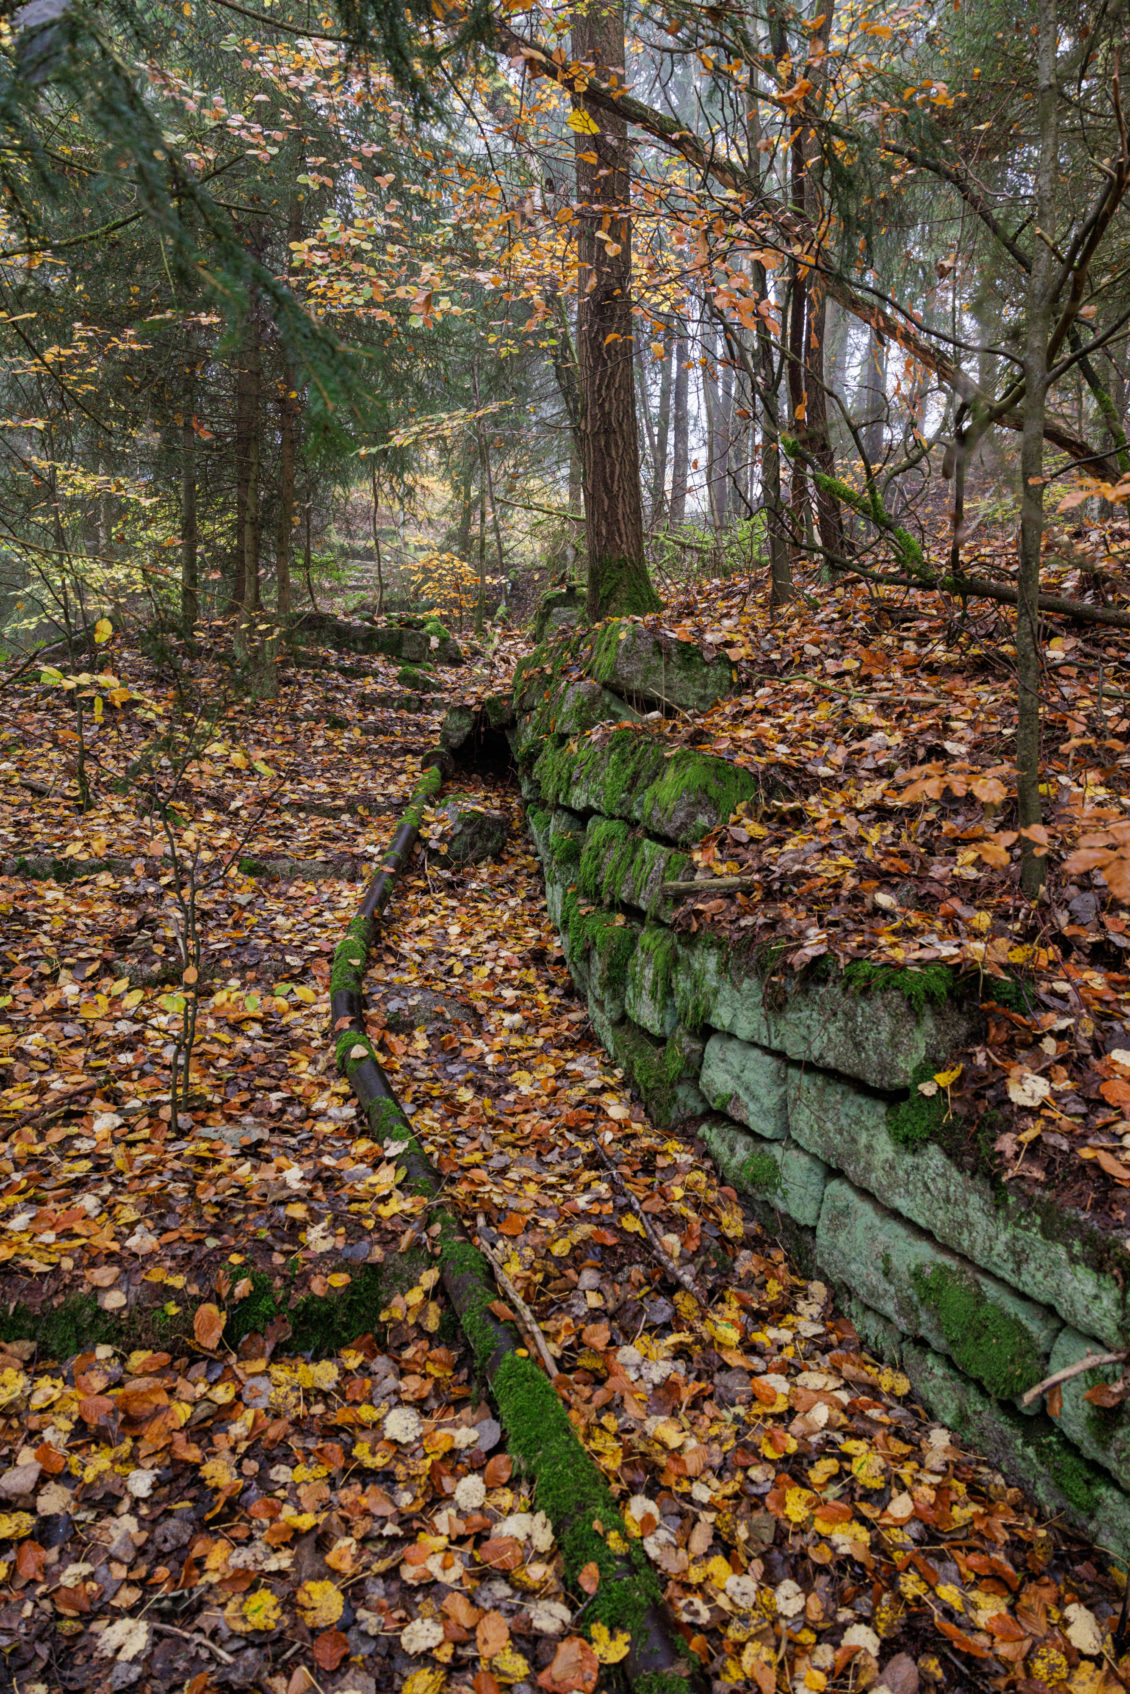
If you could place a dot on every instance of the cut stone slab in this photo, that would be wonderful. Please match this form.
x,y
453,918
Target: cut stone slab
x,y
748,1082
873,1035
777,1171
995,1335
476,833
849,1130
1104,1435
663,1073
647,994
653,666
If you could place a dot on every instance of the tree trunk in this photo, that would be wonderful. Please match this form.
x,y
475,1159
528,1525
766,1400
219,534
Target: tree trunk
x,y
617,572
870,405
1032,459
680,432
662,439
190,564
288,417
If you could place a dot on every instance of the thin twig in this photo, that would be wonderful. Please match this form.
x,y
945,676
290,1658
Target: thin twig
x,y
1090,1362
685,1277
529,1322
197,1641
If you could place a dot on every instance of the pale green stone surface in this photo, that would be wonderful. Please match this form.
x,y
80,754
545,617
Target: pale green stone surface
x,y
879,1256
748,1083
784,1174
849,1130
876,1037
1104,1435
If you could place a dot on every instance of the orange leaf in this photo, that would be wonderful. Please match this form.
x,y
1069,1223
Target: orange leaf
x,y
208,1325
498,1470
501,1552
574,1669
589,1577
961,1641
512,1224
492,1632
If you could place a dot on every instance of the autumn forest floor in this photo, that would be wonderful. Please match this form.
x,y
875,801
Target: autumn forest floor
x,y
242,1442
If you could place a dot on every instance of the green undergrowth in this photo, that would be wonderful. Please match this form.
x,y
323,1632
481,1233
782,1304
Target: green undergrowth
x,y
319,1324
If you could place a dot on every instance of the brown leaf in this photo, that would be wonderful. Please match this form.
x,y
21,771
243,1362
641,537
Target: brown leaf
x,y
589,1577
29,1560
492,1632
208,1326
498,1470
330,1648
1105,1394
575,1667
501,1552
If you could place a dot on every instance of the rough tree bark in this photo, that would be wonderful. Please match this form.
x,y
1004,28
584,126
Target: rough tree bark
x,y
1032,458
617,572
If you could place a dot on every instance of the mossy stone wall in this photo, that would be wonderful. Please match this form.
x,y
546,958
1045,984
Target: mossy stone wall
x,y
806,1091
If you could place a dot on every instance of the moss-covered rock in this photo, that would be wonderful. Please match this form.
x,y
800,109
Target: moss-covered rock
x,y
996,1336
1051,1255
1103,1433
411,676
780,1172
651,667
560,609
648,999
880,1036
476,832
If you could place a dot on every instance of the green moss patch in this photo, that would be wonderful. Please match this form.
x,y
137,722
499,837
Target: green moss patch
x,y
986,1342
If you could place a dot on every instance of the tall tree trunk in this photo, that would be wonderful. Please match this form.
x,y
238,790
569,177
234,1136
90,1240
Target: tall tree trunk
x,y
680,432
246,427
288,418
870,405
1032,458
189,561
662,439
617,572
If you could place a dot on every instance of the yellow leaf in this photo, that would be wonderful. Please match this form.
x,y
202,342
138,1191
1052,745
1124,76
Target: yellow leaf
x,y
247,1612
429,1679
103,630
132,999
306,994
582,123
945,1078
631,1223
611,1648
320,1604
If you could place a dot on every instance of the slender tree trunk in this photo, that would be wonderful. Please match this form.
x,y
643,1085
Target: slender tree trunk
x,y
617,572
870,405
1032,459
190,566
680,432
645,414
288,418
245,447
376,531
662,439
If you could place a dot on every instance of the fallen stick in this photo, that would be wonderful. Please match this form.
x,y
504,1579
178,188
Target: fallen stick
x,y
44,1114
1079,1369
529,1322
684,1277
709,885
